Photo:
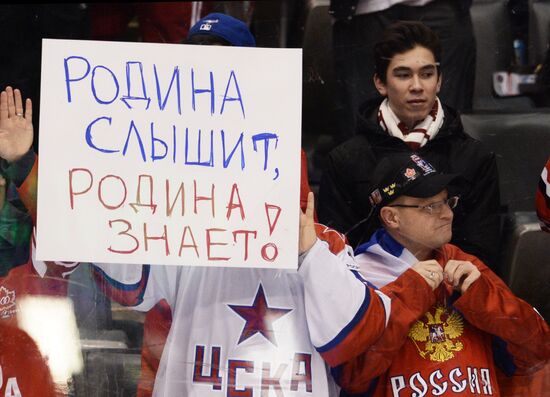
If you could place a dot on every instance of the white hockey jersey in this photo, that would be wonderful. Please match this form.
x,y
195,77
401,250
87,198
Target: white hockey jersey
x,y
243,332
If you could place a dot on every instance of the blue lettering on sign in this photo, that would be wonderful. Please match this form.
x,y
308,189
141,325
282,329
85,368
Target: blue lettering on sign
x,y
138,137
227,98
70,79
130,96
189,147
141,79
195,91
115,83
227,159
210,162
175,78
89,136
266,137
174,141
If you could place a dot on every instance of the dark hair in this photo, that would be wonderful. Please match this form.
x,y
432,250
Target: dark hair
x,y
206,39
400,37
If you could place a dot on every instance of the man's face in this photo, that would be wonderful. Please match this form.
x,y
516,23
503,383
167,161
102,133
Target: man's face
x,y
421,229
412,83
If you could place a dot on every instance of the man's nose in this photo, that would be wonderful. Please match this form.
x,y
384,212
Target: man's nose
x,y
447,212
416,85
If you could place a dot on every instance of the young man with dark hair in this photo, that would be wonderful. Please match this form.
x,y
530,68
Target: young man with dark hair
x,y
459,320
401,38
412,119
357,25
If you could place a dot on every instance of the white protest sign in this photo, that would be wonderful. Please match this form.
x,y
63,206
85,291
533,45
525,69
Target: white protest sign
x,y
169,154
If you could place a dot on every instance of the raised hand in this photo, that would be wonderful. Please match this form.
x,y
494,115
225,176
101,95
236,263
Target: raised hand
x,y
461,274
16,131
307,226
430,271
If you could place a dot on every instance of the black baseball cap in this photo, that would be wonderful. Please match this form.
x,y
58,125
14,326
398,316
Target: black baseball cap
x,y
406,174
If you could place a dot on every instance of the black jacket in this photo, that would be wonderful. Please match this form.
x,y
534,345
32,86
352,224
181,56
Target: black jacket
x,y
346,183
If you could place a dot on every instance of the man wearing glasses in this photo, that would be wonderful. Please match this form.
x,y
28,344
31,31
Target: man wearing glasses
x,y
459,320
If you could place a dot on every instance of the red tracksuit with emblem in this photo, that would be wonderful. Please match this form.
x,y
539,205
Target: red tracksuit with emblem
x,y
442,343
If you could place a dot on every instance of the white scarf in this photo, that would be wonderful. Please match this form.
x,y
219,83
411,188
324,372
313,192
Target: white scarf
x,y
418,136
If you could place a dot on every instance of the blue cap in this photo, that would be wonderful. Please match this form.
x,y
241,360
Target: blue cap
x,y
228,28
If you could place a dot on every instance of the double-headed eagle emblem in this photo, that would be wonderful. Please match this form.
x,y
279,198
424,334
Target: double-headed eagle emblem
x,y
437,334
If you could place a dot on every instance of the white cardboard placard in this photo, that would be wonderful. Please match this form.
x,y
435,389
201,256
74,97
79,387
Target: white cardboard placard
x,y
169,154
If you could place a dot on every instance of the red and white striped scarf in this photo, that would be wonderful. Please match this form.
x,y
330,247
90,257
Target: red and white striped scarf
x,y
419,135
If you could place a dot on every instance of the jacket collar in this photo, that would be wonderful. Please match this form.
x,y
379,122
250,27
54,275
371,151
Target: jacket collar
x,y
367,124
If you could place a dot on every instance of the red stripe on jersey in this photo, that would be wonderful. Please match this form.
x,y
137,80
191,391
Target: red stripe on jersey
x,y
365,333
125,294
336,240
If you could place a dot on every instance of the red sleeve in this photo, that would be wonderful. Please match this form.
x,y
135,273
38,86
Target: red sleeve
x,y
336,241
342,310
411,297
366,330
125,294
24,370
490,306
155,332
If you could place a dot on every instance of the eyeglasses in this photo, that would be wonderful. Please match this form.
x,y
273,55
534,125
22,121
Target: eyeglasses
x,y
433,208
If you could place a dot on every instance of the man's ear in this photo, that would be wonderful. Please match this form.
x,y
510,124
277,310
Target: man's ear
x,y
389,217
380,86
439,80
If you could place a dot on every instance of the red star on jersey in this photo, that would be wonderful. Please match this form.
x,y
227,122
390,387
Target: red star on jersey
x,y
259,317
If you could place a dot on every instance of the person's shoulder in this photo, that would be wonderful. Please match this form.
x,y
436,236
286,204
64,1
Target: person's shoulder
x,y
367,134
336,241
452,124
454,131
350,153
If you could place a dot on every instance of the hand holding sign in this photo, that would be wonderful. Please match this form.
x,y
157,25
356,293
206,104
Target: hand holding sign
x,y
307,226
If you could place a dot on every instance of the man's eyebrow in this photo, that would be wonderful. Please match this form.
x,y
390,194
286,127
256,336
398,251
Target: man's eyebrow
x,y
408,69
401,69
430,66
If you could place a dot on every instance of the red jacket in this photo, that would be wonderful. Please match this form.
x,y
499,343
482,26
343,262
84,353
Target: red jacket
x,y
23,370
437,345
